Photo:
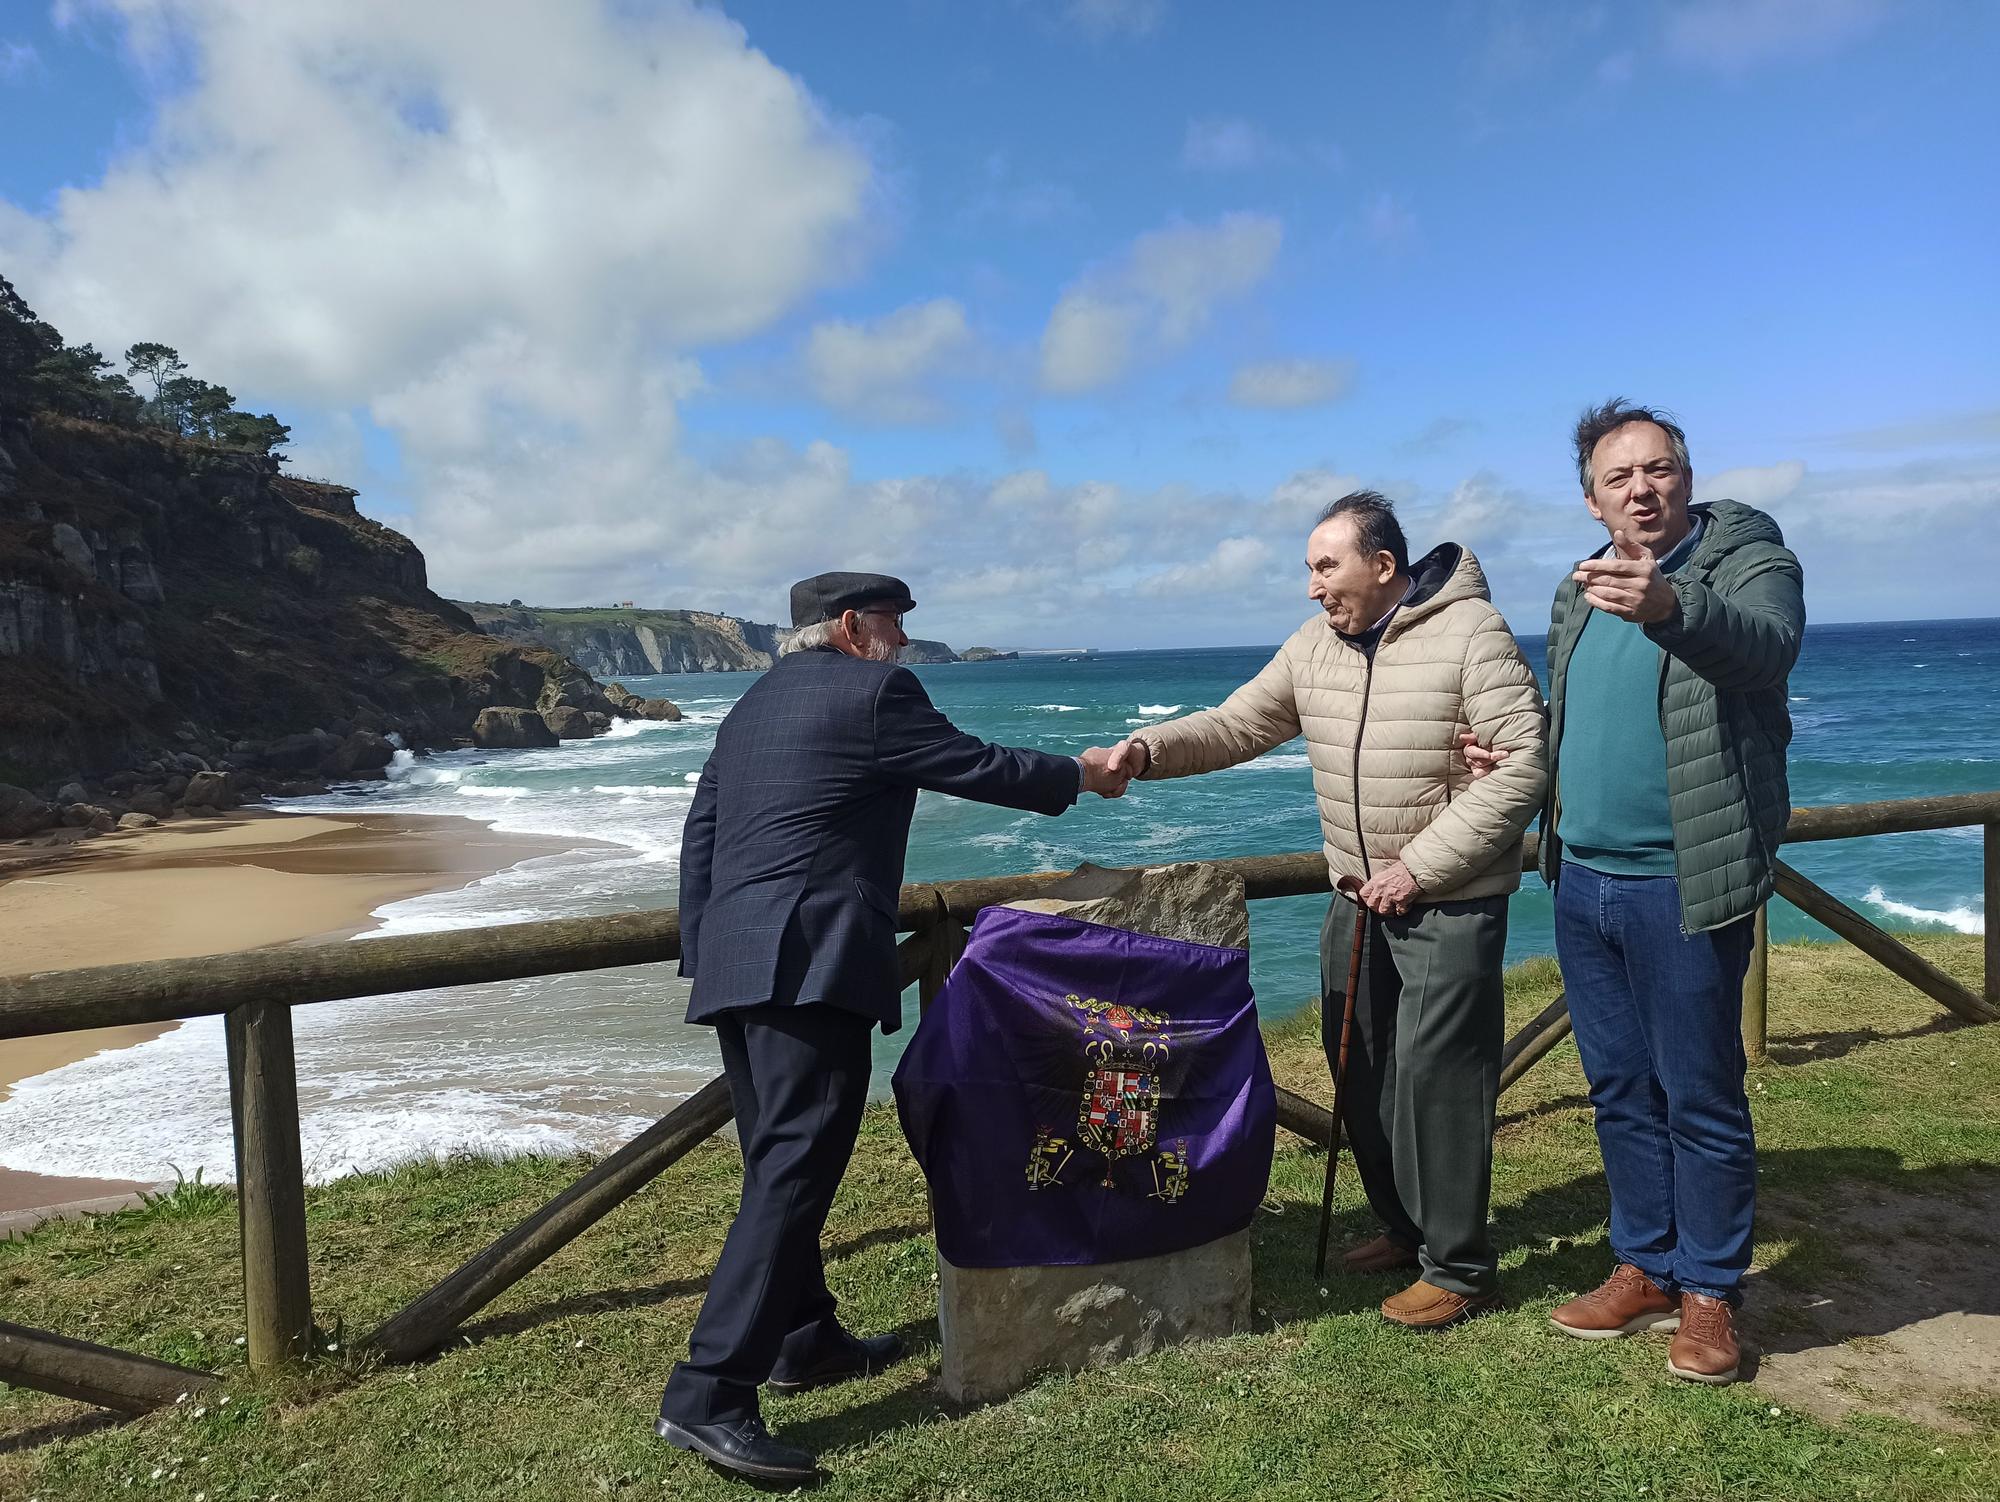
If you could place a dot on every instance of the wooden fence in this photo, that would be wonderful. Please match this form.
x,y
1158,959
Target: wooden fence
x,y
254,992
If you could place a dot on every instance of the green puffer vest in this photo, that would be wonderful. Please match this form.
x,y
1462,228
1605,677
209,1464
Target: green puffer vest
x,y
1722,708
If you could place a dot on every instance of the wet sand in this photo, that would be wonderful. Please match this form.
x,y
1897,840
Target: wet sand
x,y
246,880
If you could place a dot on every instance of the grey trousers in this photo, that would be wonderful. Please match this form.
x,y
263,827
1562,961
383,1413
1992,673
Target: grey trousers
x,y
1423,1072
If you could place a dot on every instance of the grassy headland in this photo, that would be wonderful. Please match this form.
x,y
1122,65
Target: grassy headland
x,y
1869,1099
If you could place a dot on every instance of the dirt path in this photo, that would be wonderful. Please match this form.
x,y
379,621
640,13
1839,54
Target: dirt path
x,y
1910,1328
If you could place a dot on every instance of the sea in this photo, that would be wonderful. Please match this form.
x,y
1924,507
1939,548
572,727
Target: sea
x,y
581,1063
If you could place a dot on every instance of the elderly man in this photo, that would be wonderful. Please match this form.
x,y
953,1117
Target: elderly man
x,y
1668,654
1401,665
790,865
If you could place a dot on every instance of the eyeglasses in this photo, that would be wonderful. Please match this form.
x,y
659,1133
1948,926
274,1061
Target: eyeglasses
x,y
893,617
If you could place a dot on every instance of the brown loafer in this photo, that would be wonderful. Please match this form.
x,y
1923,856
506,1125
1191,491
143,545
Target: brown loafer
x,y
1705,1349
1383,1254
1425,1306
1623,1304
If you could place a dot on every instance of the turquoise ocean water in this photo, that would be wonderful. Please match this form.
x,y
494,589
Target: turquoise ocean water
x,y
1881,711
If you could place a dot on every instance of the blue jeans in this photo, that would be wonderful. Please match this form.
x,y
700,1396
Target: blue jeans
x,y
1658,1017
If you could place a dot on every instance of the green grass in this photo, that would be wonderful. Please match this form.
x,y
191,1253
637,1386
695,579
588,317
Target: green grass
x,y
550,1393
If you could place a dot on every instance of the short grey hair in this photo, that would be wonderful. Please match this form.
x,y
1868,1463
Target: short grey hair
x,y
818,634
1599,423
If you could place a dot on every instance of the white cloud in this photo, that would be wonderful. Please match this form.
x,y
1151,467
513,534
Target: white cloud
x,y
1911,541
1161,291
887,370
18,59
1226,145
1105,18
1016,431
1004,193
351,192
1025,487
1524,543
1388,221
1734,35
1232,564
1291,383
1754,485
1436,434
1120,567
1296,502
507,254
1088,342
1946,430
1186,269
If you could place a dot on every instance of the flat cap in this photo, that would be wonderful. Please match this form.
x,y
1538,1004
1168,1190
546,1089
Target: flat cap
x,y
824,596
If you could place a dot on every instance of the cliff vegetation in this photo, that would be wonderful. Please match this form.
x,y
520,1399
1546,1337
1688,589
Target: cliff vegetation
x,y
172,604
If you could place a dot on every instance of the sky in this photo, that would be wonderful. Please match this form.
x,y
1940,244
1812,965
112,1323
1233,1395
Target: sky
x,y
1072,313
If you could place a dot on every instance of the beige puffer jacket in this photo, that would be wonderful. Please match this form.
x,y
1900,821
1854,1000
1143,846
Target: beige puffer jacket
x,y
1446,664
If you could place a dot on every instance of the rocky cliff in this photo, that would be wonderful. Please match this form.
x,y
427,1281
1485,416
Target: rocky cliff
x,y
628,642
162,597
631,643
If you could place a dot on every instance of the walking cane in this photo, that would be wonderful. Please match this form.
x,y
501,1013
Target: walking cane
x,y
1352,887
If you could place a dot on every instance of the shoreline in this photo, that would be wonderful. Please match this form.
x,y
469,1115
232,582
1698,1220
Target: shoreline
x,y
251,879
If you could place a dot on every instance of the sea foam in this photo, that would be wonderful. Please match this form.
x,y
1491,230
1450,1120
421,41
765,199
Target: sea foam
x,y
1961,918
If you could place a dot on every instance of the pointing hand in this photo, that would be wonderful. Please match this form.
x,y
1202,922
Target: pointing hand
x,y
1628,584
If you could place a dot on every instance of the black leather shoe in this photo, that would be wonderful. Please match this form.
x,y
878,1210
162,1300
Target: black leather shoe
x,y
744,1448
856,1357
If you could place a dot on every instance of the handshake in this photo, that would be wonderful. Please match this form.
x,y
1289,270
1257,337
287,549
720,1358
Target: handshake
x,y
1109,770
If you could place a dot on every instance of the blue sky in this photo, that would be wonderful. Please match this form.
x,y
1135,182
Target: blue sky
x,y
1070,312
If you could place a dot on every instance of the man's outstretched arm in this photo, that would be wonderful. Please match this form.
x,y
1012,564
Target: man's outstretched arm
x,y
917,744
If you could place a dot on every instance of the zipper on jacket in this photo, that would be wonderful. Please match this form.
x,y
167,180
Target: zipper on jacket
x,y
1557,714
1361,729
1667,769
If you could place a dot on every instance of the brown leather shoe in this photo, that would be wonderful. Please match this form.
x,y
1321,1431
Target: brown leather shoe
x,y
1705,1350
1383,1254
1623,1304
1425,1306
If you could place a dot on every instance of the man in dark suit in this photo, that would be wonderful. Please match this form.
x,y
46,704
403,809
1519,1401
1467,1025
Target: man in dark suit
x,y
790,866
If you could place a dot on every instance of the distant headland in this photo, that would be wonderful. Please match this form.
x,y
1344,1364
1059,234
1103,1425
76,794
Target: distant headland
x,y
627,640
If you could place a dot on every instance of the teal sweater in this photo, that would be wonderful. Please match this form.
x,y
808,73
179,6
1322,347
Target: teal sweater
x,y
1615,814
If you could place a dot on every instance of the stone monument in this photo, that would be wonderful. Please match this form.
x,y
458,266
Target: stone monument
x,y
1001,1326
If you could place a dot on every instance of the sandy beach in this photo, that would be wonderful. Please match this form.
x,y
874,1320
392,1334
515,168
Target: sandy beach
x,y
211,886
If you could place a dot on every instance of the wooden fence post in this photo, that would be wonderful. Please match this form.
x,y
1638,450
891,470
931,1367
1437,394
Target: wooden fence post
x,y
270,1184
1992,987
1757,988
944,938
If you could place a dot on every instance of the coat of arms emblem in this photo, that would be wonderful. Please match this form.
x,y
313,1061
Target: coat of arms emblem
x,y
1119,1114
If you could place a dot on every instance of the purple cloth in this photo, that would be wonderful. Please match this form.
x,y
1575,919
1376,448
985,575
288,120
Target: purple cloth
x,y
1081,1094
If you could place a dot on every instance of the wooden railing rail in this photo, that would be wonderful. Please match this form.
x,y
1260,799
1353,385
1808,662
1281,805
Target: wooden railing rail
x,y
255,991
59,1001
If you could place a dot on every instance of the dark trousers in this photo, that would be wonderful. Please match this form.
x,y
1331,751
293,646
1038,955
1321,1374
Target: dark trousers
x,y
1423,1073
798,1077
1658,1016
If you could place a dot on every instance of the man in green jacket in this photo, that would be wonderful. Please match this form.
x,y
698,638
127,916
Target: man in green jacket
x,y
1668,654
